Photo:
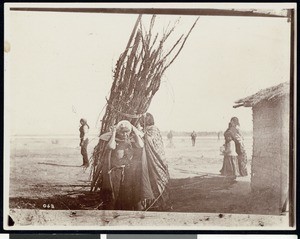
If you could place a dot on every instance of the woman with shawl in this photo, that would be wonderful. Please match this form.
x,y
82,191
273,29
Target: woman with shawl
x,y
238,139
230,163
155,174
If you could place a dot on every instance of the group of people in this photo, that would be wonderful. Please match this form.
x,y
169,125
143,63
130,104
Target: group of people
x,y
170,139
235,158
135,174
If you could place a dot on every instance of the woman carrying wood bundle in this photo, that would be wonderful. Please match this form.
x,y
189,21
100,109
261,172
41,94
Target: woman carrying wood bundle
x,y
119,189
155,174
137,78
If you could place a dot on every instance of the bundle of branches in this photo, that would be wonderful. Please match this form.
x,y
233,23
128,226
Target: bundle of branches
x,y
137,77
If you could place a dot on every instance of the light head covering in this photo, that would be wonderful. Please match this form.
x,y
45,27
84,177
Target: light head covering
x,y
124,125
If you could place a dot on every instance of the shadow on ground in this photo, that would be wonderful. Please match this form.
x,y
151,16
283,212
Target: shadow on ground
x,y
207,194
60,165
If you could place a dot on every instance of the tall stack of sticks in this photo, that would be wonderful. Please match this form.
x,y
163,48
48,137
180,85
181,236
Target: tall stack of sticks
x,y
137,77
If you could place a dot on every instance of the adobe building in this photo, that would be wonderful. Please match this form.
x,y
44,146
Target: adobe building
x,y
270,158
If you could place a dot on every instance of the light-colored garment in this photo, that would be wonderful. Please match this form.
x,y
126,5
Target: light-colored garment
x,y
240,149
230,149
230,162
86,132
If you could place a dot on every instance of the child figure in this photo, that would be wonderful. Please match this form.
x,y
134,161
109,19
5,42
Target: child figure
x,y
230,162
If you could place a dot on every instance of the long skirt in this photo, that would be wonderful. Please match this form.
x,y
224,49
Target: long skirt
x,y
120,195
122,188
230,166
242,163
84,152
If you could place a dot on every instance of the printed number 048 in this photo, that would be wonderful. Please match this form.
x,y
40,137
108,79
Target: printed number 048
x,y
48,206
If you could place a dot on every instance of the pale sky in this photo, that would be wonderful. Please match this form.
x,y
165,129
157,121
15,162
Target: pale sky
x,y
59,69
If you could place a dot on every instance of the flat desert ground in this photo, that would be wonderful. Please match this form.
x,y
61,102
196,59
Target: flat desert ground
x,y
45,173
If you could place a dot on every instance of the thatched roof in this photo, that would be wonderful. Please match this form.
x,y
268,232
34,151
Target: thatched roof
x,y
270,94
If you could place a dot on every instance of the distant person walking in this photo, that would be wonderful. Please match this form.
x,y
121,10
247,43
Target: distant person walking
x,y
234,131
84,141
193,137
170,138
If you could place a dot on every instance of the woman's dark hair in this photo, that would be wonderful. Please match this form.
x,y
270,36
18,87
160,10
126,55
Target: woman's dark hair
x,y
147,120
235,120
84,121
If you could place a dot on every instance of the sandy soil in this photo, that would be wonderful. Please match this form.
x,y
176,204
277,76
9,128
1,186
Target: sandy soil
x,y
45,174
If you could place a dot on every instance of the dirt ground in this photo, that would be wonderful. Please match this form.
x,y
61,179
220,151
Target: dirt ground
x,y
45,173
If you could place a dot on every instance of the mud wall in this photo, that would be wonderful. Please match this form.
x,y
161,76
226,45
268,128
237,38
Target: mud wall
x,y
270,160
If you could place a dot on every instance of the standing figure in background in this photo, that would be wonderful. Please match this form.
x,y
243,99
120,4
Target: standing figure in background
x,y
230,164
170,138
234,131
84,141
194,136
155,174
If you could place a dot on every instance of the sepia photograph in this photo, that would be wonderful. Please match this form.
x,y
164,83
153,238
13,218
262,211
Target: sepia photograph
x,y
158,116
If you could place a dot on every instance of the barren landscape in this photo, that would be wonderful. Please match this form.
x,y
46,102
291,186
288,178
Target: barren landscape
x,y
46,177
45,173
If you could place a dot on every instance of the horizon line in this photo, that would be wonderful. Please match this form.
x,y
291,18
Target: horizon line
x,y
217,131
